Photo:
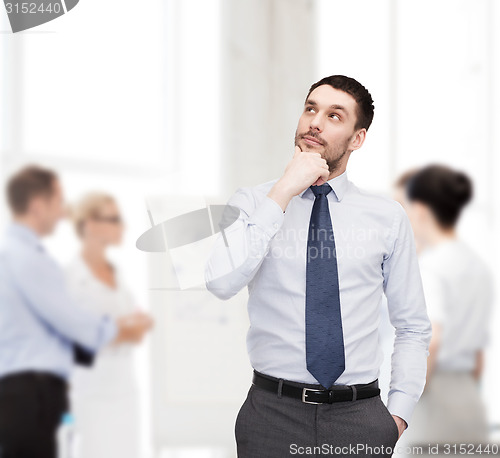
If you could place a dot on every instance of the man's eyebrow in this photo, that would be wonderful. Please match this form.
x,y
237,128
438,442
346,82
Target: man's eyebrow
x,y
334,106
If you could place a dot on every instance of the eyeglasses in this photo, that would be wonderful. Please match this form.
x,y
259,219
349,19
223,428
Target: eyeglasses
x,y
109,219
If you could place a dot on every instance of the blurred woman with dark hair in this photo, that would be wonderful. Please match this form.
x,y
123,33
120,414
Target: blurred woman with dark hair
x,y
458,292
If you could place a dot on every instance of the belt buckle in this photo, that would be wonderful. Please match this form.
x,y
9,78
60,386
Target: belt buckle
x,y
304,395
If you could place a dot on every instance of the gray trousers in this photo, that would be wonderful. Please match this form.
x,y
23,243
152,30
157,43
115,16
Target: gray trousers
x,y
269,426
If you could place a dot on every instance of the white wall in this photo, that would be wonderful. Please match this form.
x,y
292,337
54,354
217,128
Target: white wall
x,y
268,64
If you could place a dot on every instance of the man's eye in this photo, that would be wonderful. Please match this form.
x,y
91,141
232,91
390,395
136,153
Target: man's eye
x,y
309,109
335,116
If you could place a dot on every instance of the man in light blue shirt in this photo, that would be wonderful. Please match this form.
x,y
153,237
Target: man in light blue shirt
x,y
288,410
40,327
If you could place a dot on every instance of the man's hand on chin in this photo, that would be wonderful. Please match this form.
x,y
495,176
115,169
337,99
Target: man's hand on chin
x,y
401,424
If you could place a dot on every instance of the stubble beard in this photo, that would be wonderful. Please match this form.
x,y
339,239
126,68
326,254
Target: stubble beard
x,y
332,154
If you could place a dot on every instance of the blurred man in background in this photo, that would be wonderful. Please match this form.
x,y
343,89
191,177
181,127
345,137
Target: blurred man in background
x,y
40,327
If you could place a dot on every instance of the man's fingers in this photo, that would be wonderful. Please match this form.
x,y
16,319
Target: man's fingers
x,y
324,174
297,151
319,161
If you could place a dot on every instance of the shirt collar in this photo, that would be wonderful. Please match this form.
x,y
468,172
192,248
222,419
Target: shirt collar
x,y
338,184
25,233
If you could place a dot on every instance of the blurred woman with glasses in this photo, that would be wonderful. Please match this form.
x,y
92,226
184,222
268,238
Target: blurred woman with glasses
x,y
105,396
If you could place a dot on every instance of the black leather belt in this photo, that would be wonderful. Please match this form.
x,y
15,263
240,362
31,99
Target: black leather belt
x,y
308,395
33,376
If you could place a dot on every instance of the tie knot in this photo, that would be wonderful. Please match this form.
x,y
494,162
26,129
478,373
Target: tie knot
x,y
323,189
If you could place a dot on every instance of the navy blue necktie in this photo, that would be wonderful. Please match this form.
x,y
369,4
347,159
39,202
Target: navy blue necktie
x,y
324,339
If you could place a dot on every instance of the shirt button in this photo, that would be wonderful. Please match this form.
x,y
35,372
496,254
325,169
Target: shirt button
x,y
275,226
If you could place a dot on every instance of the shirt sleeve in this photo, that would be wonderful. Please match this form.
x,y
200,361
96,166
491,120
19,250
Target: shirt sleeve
x,y
241,248
408,315
43,284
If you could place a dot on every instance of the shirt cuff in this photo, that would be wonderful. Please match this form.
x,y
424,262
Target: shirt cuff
x,y
401,405
268,216
109,331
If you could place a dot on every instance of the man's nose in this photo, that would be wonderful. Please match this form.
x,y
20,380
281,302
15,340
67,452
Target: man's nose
x,y
317,123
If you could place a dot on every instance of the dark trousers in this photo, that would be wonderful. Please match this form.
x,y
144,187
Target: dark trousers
x,y
31,406
269,426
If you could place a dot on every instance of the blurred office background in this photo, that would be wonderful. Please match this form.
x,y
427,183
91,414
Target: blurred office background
x,y
170,104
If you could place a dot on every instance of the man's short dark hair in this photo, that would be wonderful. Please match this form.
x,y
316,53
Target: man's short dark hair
x,y
365,108
29,182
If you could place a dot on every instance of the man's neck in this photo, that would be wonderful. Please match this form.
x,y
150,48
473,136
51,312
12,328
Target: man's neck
x,y
336,173
341,166
30,224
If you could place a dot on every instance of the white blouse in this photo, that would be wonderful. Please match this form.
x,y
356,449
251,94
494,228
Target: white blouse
x,y
458,289
112,373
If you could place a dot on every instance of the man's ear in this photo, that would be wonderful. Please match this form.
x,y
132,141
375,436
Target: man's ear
x,y
36,206
358,139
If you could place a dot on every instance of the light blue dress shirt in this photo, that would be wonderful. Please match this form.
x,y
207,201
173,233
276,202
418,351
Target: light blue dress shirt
x,y
266,251
38,321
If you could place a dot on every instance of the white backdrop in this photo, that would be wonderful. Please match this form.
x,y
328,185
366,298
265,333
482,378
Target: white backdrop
x,y
197,97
